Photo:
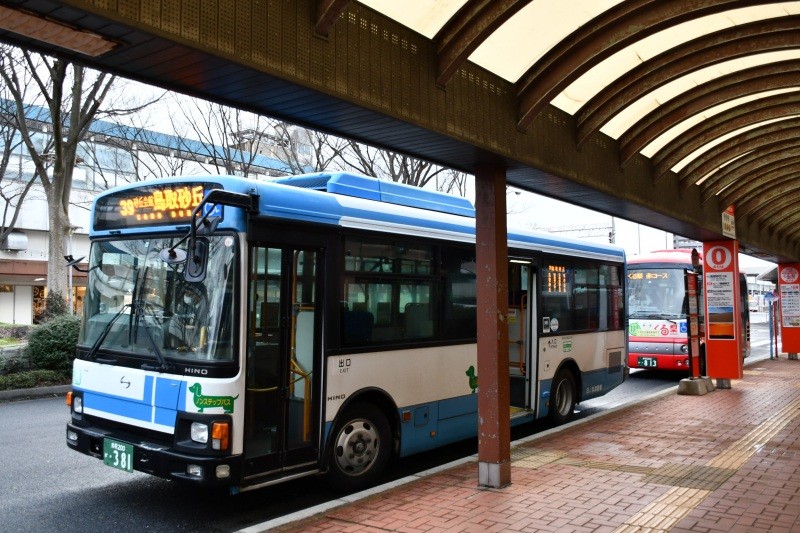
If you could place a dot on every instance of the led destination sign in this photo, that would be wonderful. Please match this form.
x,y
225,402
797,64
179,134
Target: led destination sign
x,y
154,205
649,275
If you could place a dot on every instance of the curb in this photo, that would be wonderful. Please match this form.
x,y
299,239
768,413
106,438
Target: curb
x,y
37,392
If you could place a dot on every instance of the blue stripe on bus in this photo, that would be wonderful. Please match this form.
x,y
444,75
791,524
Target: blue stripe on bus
x,y
438,423
167,392
166,398
545,385
598,382
165,417
118,406
454,407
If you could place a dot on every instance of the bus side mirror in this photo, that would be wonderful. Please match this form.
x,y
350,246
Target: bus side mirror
x,y
196,261
196,255
73,262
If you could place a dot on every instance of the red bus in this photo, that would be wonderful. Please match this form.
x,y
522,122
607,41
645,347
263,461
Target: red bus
x,y
657,310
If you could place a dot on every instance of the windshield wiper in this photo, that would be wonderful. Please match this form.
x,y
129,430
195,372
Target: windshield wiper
x,y
138,317
163,365
91,355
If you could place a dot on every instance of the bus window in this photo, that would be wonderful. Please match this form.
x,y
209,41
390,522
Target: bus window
x,y
586,297
388,292
460,298
556,287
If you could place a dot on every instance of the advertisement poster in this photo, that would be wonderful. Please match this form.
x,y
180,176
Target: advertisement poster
x,y
720,300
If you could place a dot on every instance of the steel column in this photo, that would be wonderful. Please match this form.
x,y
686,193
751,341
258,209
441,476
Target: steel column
x,y
494,426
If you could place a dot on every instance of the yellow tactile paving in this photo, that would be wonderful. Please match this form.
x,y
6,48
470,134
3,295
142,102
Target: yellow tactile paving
x,y
535,459
667,510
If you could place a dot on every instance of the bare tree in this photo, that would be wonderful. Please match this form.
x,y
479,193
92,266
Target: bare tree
x,y
308,150
15,184
401,168
71,97
230,140
454,182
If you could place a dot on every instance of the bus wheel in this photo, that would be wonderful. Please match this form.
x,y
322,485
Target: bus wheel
x,y
360,449
562,397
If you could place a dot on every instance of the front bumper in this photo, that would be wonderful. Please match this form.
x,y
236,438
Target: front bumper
x,y
157,459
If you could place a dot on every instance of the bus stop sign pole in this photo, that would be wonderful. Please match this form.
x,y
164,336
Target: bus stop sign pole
x,y
770,299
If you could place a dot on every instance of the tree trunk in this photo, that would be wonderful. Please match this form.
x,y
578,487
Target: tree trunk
x,y
57,273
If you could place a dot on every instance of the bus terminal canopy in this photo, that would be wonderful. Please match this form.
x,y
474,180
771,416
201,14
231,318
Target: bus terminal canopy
x,y
666,113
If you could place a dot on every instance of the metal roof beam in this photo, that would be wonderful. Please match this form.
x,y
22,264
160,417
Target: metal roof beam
x,y
741,84
474,22
790,218
780,105
751,185
751,162
767,196
599,39
730,149
776,205
738,41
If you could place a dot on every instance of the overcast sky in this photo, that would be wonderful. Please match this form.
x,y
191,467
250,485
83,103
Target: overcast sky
x,y
539,212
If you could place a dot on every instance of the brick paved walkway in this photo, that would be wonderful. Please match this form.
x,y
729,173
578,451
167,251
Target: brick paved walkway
x,y
727,461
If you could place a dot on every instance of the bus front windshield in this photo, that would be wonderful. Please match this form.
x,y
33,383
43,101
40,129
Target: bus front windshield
x,y
656,293
140,305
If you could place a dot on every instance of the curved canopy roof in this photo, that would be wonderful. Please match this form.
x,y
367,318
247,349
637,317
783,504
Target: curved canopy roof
x,y
629,107
665,79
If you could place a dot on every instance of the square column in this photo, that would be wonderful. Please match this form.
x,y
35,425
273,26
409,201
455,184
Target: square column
x,y
491,243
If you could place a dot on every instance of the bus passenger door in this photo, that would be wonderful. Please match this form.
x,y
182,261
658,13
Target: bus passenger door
x,y
284,320
521,332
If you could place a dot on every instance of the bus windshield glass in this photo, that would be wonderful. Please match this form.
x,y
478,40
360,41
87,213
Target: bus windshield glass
x,y
656,293
140,305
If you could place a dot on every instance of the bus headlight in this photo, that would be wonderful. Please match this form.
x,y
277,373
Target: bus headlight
x,y
199,432
77,404
684,348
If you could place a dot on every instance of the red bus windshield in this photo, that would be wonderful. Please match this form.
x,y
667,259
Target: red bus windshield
x,y
656,293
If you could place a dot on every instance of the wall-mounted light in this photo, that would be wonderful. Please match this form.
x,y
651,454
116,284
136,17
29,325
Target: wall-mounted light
x,y
55,33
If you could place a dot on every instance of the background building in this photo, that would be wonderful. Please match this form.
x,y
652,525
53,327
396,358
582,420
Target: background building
x,y
111,155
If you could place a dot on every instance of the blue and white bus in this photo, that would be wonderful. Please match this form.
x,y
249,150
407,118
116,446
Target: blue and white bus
x,y
239,333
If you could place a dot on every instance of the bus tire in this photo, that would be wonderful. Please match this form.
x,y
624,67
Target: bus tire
x,y
360,449
562,397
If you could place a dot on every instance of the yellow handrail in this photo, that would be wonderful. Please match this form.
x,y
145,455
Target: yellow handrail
x,y
306,377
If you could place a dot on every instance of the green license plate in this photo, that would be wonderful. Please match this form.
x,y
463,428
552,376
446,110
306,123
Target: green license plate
x,y
647,362
118,454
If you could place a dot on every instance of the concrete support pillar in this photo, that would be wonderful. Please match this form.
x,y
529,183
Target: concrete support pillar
x,y
494,427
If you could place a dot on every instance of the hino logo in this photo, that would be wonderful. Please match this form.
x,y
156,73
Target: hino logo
x,y
196,371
